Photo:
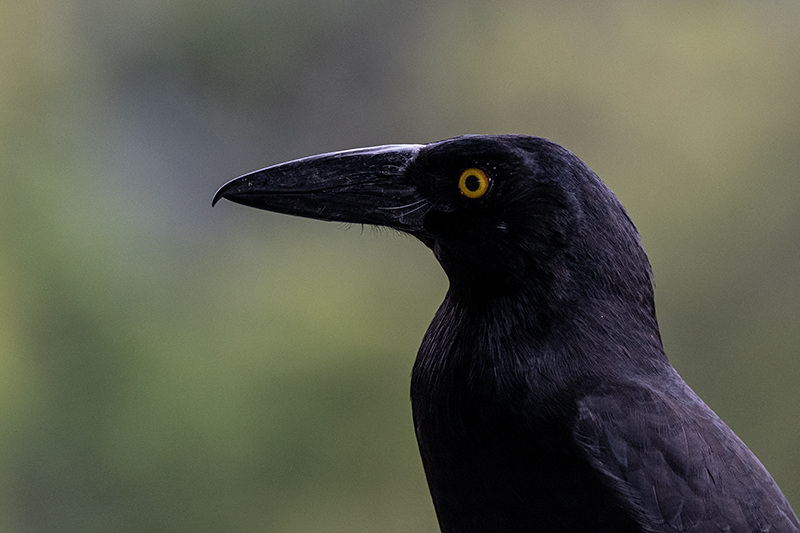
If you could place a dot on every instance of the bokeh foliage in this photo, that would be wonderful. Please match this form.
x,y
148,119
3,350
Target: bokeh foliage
x,y
169,367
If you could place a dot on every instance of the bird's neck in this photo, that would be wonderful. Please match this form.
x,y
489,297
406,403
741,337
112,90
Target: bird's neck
x,y
490,352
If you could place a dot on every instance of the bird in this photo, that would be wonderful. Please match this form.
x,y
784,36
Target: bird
x,y
542,397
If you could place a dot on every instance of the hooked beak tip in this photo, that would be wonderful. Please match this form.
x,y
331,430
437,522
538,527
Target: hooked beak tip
x,y
220,193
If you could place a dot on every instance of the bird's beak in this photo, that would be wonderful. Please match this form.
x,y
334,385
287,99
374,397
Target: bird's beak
x,y
364,186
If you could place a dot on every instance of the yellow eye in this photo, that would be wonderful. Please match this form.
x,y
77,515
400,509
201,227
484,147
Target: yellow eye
x,y
473,183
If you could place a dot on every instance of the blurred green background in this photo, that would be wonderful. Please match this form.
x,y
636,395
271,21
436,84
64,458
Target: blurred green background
x,y
169,367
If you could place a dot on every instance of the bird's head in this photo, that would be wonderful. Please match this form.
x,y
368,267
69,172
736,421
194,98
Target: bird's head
x,y
503,214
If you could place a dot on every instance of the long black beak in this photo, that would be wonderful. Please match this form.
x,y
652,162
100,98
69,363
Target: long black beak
x,y
365,186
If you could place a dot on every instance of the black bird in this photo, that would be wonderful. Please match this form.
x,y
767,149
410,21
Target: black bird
x,y
541,394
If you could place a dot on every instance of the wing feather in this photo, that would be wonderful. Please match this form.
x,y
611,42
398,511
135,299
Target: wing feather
x,y
676,463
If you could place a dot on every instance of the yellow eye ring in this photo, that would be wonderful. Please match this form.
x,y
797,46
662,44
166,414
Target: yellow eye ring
x,y
473,183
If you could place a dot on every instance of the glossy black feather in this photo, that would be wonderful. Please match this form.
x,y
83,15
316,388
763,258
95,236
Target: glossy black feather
x,y
542,397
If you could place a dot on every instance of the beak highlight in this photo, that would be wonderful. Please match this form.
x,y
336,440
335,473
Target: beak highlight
x,y
363,186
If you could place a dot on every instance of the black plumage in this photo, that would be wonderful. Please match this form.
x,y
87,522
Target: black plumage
x,y
541,394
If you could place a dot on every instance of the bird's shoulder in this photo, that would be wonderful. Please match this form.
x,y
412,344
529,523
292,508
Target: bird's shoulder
x,y
674,462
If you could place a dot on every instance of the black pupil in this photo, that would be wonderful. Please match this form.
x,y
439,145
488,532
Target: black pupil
x,y
472,183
